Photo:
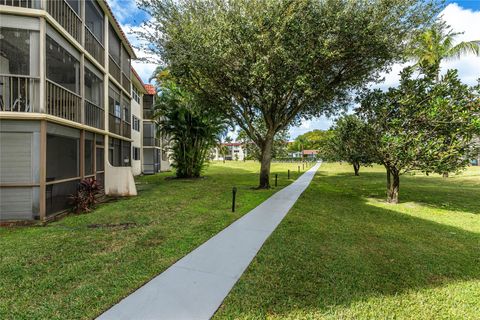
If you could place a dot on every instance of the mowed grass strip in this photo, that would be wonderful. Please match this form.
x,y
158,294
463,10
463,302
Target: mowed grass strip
x,y
78,267
342,252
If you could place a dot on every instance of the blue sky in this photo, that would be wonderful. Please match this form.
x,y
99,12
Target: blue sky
x,y
462,15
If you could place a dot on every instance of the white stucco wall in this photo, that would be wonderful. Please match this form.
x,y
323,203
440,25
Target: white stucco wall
x,y
137,137
119,181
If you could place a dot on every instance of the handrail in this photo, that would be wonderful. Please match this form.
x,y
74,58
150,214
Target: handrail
x,y
61,102
59,85
64,14
94,115
19,92
94,46
98,40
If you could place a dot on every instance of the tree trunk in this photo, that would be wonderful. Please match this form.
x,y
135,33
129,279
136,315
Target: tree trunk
x,y
356,168
266,159
394,187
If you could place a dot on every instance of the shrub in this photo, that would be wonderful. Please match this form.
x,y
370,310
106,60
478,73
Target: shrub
x,y
86,196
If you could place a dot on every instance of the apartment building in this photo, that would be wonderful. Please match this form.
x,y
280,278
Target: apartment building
x,y
155,151
138,90
65,105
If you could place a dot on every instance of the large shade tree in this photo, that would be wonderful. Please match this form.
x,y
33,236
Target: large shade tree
x,y
280,61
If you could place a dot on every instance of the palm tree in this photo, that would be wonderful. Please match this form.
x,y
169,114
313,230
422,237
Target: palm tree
x,y
437,44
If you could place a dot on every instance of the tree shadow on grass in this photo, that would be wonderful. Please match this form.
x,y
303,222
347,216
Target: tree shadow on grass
x,y
453,194
334,249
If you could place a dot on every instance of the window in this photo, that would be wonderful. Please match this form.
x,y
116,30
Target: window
x,y
126,109
63,152
135,95
119,153
136,153
62,67
93,87
135,123
89,150
75,5
114,45
19,52
94,19
125,62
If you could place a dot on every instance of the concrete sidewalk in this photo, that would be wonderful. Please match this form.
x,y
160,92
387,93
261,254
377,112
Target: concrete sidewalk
x,y
195,286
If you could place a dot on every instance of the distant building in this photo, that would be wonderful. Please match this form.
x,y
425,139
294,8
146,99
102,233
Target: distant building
x,y
155,149
234,151
309,154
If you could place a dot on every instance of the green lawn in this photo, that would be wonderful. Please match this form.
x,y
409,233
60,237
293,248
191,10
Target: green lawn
x,y
344,253
81,265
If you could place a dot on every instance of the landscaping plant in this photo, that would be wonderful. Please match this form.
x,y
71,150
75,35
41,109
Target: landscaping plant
x,y
86,196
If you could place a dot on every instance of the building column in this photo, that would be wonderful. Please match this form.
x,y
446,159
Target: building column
x,y
43,170
42,65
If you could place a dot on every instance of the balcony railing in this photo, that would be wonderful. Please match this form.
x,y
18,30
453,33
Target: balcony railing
x,y
148,114
19,93
35,4
114,69
114,124
94,115
66,16
151,142
94,47
126,82
126,129
62,103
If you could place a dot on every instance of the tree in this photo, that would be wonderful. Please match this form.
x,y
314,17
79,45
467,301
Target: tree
x,y
436,44
280,61
311,140
191,129
279,146
351,142
412,123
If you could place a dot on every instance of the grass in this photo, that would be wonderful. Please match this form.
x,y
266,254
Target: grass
x,y
344,253
78,267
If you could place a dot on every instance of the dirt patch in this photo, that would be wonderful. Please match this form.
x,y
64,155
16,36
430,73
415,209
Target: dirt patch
x,y
123,225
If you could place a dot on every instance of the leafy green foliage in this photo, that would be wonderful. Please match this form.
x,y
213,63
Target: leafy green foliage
x,y
192,130
351,141
278,61
312,140
422,125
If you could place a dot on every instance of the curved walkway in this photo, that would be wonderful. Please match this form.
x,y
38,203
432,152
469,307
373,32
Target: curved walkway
x,y
195,286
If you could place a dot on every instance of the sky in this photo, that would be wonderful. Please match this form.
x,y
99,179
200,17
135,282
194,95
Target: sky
x,y
461,15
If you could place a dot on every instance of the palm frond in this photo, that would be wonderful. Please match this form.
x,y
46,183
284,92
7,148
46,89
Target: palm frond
x,y
463,48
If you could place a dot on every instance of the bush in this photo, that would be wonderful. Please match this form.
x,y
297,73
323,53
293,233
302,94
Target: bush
x,y
86,196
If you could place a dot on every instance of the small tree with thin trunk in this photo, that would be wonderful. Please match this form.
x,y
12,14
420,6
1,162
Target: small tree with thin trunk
x,y
351,142
411,124
280,61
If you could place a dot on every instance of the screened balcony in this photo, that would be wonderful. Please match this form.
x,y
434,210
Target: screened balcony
x,y
67,14
19,70
94,47
63,103
19,93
